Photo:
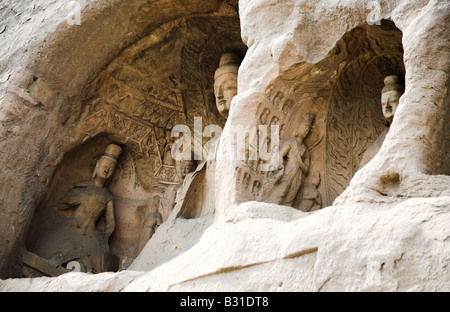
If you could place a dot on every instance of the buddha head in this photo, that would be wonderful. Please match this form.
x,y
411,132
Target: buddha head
x,y
315,180
305,126
106,165
390,97
184,167
225,82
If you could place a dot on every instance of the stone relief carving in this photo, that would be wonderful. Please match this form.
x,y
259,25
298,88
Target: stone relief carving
x,y
151,140
148,136
87,220
354,119
294,164
151,223
311,199
275,108
183,168
142,102
192,195
271,112
390,96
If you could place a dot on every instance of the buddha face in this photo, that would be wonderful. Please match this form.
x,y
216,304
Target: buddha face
x,y
389,104
316,178
303,130
225,89
184,168
105,168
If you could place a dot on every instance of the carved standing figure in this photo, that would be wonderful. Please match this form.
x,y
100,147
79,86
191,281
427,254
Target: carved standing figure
x,y
390,97
183,168
225,82
311,198
168,159
151,223
88,222
294,166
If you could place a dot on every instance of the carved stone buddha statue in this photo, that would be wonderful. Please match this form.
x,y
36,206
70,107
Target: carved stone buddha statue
x,y
86,221
225,82
390,97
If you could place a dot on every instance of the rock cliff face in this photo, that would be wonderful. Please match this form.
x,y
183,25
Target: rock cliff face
x,y
383,227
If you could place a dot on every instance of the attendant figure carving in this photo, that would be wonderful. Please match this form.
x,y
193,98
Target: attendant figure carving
x,y
168,159
183,168
294,164
311,198
151,223
87,221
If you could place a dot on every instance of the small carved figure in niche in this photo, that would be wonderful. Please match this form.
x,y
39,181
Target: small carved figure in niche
x,y
256,188
183,168
247,180
264,116
225,82
88,222
390,97
238,174
150,146
161,142
269,91
168,159
277,100
151,223
274,121
294,166
287,106
311,197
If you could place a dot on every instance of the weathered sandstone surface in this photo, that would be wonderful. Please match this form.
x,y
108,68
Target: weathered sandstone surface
x,y
384,227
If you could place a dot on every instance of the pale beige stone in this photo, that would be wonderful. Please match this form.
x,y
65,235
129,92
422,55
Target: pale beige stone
x,y
382,228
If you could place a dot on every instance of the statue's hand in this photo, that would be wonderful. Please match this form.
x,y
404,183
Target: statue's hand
x,y
279,173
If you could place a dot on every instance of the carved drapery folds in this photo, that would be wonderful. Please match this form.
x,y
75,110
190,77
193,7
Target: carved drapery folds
x,y
294,162
390,97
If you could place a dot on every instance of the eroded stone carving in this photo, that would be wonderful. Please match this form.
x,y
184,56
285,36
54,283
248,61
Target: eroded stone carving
x,y
87,221
191,198
390,96
183,168
354,118
225,82
293,166
151,223
311,198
